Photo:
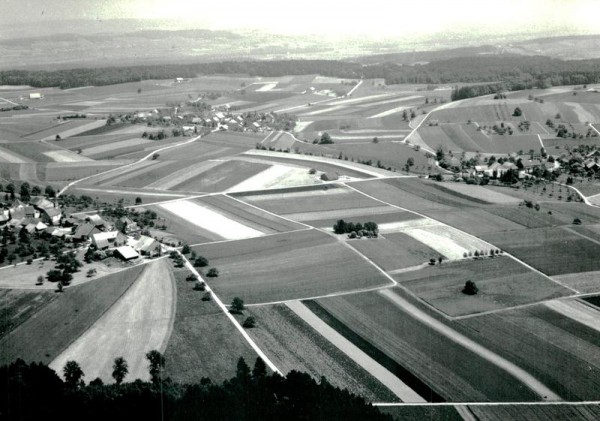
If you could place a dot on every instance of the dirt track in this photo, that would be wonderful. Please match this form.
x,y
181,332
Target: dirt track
x,y
140,321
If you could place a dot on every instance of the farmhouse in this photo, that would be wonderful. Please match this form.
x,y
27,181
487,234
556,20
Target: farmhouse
x,y
51,216
129,226
126,253
84,232
41,203
147,246
104,240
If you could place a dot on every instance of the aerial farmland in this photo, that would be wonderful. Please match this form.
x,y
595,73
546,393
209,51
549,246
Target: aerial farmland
x,y
373,233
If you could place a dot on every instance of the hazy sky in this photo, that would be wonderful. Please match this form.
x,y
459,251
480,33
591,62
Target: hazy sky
x,y
390,18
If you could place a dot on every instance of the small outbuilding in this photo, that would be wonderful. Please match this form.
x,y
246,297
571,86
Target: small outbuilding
x,y
126,253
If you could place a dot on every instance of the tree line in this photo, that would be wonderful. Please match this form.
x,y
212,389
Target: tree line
x,y
34,391
506,72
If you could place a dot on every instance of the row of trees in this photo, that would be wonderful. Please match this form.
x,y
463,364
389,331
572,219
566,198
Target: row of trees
x,y
343,227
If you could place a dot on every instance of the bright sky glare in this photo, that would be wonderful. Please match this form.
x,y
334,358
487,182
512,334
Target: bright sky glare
x,y
378,18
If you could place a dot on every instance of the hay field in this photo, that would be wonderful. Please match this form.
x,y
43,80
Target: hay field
x,y
140,321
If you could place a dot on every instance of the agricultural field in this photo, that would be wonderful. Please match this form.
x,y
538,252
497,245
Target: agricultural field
x,y
456,374
64,319
203,342
502,283
138,322
559,351
292,345
552,251
19,305
246,267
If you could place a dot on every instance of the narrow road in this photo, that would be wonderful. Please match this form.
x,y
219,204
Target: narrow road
x,y
526,378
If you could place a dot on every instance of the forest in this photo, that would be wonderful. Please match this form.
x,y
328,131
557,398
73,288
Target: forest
x,y
35,392
499,72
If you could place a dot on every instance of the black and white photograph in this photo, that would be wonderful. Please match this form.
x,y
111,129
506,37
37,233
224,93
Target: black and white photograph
x,y
312,210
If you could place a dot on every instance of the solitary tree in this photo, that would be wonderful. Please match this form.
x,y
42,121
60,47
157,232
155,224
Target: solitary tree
x,y
120,370
212,272
157,363
237,305
249,323
73,375
200,262
440,259
242,371
186,249
470,288
517,112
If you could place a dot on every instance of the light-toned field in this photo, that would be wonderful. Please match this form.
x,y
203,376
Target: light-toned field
x,y
8,156
585,282
140,321
97,150
71,130
277,176
210,220
292,344
481,193
66,156
447,240
578,311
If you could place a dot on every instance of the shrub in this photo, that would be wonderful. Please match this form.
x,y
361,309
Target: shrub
x,y
212,272
40,280
470,288
191,277
200,286
206,297
249,323
200,262
312,171
186,249
29,261
576,221
432,261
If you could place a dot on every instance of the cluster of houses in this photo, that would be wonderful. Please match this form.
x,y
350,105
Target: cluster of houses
x,y
215,118
41,216
497,170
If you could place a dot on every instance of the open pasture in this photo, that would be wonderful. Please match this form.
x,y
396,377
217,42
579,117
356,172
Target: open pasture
x,y
313,200
204,342
286,267
502,283
292,344
481,193
552,251
475,221
65,318
452,371
589,412
34,151
392,155
10,156
500,111
557,350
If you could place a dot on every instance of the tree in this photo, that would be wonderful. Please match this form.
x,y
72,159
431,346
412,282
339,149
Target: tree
x,y
156,364
59,287
213,273
57,138
186,249
120,370
155,156
25,191
576,221
375,140
237,305
242,372
440,259
138,200
249,323
49,191
325,139
36,191
200,262
40,280
54,275
517,112
260,369
470,288
73,375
